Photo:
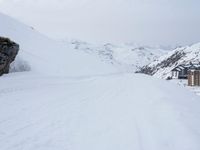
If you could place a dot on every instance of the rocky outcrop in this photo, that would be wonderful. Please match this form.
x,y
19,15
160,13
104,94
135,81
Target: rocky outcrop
x,y
168,62
8,52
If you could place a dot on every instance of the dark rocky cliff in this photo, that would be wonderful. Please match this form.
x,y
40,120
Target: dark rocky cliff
x,y
8,53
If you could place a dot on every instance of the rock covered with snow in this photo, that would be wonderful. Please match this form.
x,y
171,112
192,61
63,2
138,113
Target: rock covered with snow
x,y
8,52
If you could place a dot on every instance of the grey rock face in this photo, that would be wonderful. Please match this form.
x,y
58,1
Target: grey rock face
x,y
8,52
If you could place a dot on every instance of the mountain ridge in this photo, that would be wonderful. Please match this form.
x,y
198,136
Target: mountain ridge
x,y
162,67
128,57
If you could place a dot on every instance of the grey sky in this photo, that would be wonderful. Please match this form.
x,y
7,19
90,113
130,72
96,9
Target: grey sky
x,y
165,22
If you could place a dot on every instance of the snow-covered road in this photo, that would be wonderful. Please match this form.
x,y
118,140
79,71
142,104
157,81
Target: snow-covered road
x,y
113,112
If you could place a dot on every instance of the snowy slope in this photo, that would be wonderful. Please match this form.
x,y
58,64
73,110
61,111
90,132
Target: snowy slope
x,y
97,113
41,54
129,57
162,67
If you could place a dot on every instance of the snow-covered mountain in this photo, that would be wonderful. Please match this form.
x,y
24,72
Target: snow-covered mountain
x,y
162,67
68,99
39,53
128,57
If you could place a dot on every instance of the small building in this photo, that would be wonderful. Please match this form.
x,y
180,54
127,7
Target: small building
x,y
175,73
194,77
180,72
190,71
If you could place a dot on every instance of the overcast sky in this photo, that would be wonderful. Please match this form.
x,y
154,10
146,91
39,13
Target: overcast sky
x,y
154,22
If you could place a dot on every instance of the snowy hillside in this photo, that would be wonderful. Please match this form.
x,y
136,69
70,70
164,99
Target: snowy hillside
x,y
69,100
129,57
41,54
162,67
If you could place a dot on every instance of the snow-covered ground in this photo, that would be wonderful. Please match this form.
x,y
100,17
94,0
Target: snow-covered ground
x,y
184,83
196,90
69,100
121,111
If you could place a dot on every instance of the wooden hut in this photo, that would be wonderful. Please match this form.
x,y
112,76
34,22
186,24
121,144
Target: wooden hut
x,y
194,77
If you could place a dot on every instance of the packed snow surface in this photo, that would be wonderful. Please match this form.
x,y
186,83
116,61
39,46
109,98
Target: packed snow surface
x,y
69,100
110,112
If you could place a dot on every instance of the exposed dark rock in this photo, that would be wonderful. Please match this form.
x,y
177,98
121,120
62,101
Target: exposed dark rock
x,y
8,52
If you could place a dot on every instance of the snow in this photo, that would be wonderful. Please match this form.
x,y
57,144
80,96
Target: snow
x,y
127,57
45,55
102,112
184,83
70,100
191,54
